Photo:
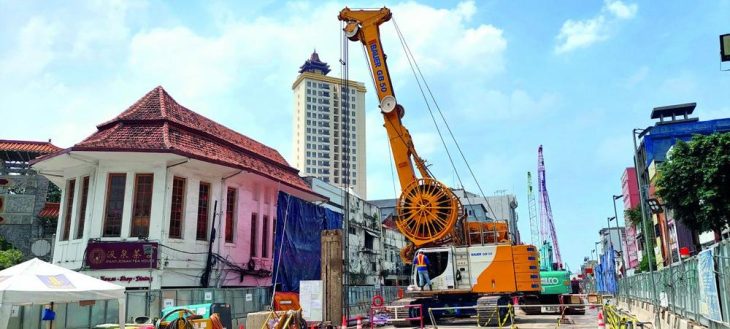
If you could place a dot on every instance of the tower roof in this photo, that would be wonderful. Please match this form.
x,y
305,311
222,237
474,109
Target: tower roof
x,y
315,65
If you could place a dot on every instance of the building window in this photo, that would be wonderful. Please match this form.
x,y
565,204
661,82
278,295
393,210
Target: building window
x,y
369,241
230,214
201,231
265,237
82,207
70,190
114,205
177,207
142,205
254,228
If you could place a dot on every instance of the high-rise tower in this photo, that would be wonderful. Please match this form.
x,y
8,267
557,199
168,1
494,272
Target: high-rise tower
x,y
329,126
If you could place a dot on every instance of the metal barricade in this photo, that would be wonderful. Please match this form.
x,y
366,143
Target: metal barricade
x,y
384,310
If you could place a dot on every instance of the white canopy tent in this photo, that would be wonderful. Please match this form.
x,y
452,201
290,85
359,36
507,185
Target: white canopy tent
x,y
38,282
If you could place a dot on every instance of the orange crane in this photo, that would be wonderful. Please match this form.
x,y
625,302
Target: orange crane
x,y
472,263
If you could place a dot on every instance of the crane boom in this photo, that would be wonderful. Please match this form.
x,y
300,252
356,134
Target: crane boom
x,y
427,210
532,205
547,226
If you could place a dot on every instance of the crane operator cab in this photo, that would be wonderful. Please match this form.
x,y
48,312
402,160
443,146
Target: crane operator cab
x,y
491,268
438,263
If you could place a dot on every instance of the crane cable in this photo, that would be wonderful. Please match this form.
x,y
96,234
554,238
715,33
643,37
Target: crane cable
x,y
430,112
414,68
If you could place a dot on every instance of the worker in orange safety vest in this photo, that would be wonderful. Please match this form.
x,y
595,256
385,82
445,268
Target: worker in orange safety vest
x,y
421,262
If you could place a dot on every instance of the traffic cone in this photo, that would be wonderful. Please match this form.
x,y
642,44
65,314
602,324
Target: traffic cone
x,y
359,322
601,324
344,322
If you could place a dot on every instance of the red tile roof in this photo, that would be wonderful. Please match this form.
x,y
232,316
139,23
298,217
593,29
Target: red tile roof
x,y
157,123
28,146
50,210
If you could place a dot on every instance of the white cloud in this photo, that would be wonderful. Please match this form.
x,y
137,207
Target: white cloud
x,y
92,60
33,52
621,10
575,34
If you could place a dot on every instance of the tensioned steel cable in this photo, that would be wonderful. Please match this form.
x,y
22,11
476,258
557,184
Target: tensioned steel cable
x,y
410,54
345,168
428,106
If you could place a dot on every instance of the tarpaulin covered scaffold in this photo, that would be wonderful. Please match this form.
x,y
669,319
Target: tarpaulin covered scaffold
x,y
605,273
297,246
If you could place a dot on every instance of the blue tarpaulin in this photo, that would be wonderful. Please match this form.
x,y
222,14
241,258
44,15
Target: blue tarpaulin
x,y
297,241
605,272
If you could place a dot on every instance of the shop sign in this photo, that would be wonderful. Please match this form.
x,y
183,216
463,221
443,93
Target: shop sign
x,y
126,279
121,255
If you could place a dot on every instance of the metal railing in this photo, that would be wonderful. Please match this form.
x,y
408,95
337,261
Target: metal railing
x,y
678,287
361,298
141,303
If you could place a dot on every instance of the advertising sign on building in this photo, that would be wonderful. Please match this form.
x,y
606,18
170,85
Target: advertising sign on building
x,y
121,255
709,299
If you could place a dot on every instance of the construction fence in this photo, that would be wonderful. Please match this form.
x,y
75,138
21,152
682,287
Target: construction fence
x,y
141,303
698,288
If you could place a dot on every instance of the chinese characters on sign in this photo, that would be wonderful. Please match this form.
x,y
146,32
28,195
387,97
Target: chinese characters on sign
x,y
117,255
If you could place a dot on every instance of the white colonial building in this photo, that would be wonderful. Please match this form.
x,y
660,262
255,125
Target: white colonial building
x,y
161,193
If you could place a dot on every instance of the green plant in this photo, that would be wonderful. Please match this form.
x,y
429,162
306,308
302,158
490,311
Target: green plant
x,y
634,215
695,182
9,256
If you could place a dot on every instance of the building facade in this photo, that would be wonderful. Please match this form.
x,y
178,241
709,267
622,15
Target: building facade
x,y
672,123
610,237
630,193
329,127
396,272
365,237
161,196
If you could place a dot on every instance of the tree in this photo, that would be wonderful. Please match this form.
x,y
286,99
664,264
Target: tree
x,y
695,182
54,193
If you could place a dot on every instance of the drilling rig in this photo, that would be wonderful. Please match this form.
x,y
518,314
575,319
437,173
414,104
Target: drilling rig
x,y
471,263
555,280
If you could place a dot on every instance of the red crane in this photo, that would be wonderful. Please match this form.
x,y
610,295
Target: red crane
x,y
547,226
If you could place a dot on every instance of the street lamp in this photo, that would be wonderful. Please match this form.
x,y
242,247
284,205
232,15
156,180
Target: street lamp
x,y
655,206
642,195
608,224
725,47
620,236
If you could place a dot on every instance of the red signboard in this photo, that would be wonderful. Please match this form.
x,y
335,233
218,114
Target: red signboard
x,y
120,255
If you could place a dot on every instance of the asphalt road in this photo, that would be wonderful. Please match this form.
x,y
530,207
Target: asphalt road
x,y
522,321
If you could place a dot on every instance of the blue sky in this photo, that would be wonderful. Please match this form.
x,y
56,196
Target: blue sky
x,y
575,76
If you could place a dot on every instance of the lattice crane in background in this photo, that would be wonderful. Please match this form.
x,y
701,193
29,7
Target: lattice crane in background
x,y
532,205
547,226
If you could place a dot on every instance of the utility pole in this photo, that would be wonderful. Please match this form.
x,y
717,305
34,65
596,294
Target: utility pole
x,y
642,199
